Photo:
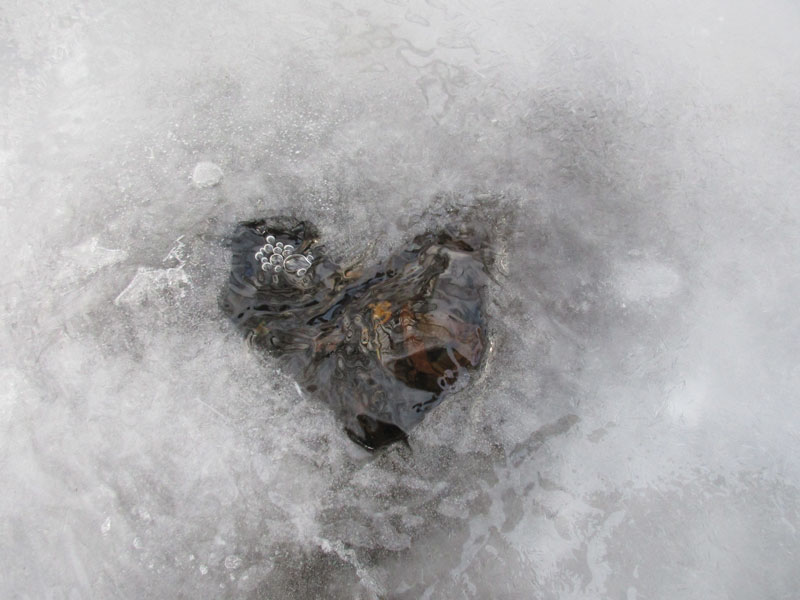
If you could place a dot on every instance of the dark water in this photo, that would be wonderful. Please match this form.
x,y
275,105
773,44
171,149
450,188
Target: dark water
x,y
381,344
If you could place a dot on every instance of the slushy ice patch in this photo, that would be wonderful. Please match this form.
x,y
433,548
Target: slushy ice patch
x,y
381,345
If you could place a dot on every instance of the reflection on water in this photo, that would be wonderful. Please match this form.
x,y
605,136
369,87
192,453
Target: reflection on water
x,y
382,344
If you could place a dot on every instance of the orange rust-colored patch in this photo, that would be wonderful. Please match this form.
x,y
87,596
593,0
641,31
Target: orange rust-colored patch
x,y
381,311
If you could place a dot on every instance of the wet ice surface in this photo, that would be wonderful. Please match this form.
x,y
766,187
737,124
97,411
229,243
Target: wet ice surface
x,y
635,434
381,344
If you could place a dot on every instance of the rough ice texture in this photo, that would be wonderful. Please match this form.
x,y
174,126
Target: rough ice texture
x,y
206,175
635,433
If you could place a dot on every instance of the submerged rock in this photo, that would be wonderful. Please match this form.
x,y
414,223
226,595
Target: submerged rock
x,y
383,344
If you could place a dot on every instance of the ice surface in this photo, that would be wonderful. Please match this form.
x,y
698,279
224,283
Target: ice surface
x,y
206,174
635,434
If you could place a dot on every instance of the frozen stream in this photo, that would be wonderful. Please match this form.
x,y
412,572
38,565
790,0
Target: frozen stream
x,y
636,434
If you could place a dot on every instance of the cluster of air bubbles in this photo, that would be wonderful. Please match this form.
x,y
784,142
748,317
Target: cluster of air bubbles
x,y
279,257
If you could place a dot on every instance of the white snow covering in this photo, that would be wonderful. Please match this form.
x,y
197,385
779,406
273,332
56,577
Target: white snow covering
x,y
636,433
